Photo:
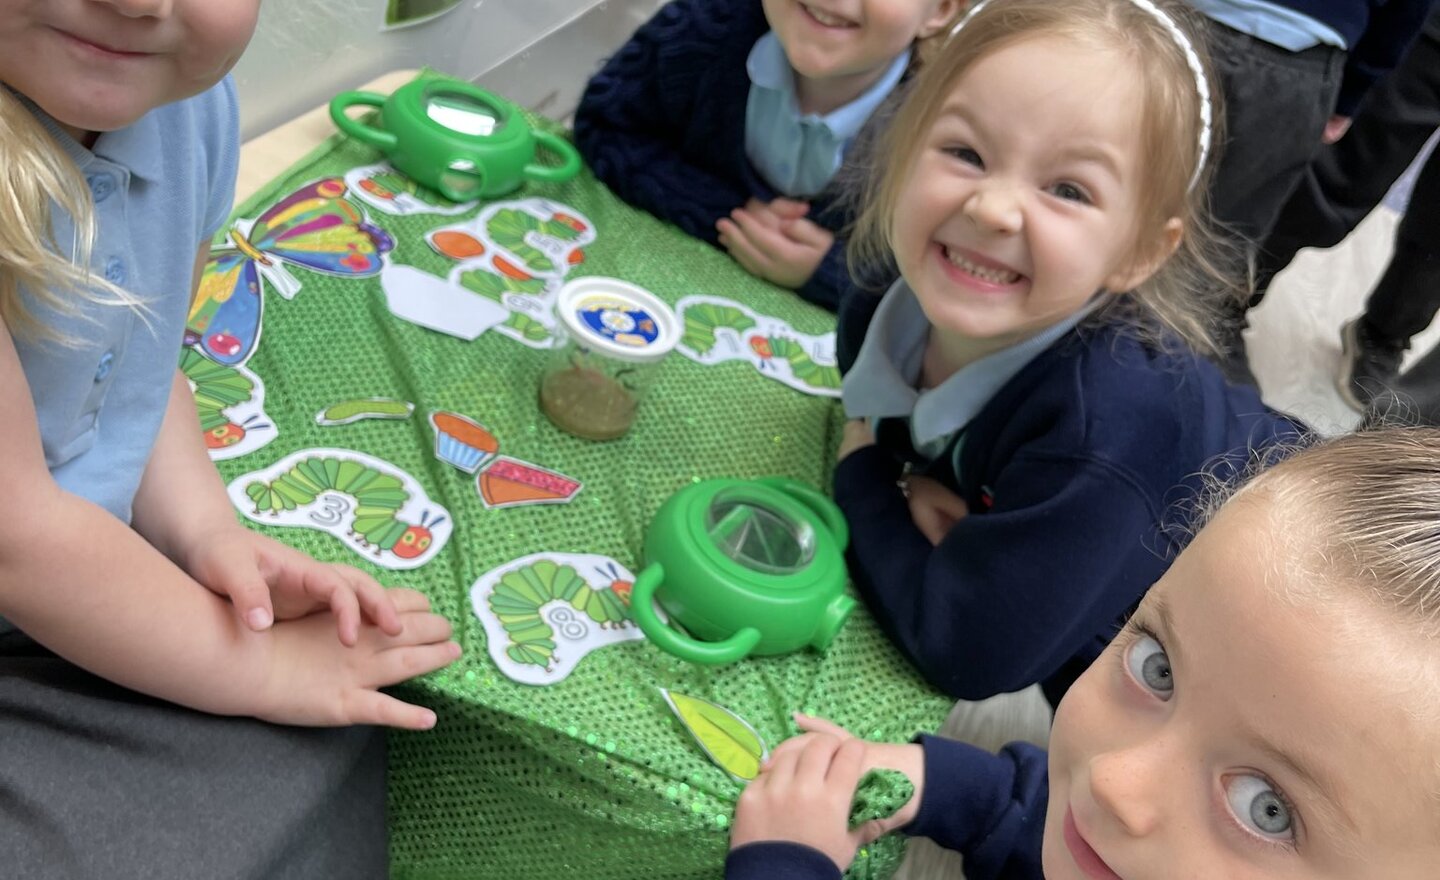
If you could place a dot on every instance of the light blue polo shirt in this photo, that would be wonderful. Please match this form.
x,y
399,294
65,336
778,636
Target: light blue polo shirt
x,y
1275,24
798,154
162,187
883,381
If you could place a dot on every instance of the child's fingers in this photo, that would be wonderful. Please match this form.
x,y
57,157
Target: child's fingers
x,y
249,592
373,707
762,212
407,600
814,761
408,661
812,724
846,765
760,237
346,609
375,604
790,209
745,253
422,628
793,745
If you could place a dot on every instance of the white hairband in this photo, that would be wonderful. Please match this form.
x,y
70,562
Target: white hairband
x,y
1202,84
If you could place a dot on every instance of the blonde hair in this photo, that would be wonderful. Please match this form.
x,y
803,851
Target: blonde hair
x,y
1188,293
36,176
1365,508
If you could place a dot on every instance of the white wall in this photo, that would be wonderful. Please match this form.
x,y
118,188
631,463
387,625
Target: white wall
x,y
305,51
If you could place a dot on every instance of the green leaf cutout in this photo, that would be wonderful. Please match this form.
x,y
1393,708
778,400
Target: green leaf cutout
x,y
726,738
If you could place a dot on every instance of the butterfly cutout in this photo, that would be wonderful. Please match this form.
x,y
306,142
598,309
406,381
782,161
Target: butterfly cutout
x,y
314,227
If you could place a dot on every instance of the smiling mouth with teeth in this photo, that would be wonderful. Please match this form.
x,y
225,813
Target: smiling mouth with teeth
x,y
984,273
826,18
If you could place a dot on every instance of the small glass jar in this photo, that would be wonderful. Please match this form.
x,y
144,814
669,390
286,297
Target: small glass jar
x,y
613,337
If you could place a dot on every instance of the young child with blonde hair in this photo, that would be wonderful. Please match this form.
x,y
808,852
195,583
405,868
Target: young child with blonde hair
x,y
1270,711
144,630
1026,404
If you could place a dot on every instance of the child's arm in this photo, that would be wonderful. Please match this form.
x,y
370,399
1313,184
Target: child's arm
x,y
1007,597
633,116
990,808
86,586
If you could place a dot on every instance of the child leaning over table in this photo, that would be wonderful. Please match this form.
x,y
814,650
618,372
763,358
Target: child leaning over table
x,y
1027,382
731,119
144,630
1271,710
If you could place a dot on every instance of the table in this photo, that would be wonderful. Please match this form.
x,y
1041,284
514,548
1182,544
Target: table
x,y
590,777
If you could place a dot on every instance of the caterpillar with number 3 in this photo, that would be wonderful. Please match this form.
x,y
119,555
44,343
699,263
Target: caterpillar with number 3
x,y
378,499
520,594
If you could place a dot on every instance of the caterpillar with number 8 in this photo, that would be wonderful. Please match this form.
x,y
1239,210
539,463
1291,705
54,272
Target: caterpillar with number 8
x,y
520,594
378,497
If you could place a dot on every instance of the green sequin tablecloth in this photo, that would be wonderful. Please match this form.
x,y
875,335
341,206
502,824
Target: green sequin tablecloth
x,y
591,777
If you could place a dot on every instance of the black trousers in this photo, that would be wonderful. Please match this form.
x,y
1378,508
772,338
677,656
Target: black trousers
x,y
1349,178
1276,105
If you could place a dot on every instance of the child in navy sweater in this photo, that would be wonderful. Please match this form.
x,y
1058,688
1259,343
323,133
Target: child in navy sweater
x,y
1018,437
730,118
1269,712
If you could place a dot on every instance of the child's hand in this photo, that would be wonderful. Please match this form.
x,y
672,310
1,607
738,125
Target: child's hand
x,y
857,436
934,508
803,795
775,241
908,758
310,679
269,581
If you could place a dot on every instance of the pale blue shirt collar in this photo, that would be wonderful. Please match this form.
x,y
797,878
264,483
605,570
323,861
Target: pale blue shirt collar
x,y
137,147
781,141
882,382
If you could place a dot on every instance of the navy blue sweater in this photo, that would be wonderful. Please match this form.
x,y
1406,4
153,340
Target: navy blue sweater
x,y
663,125
1072,473
1377,32
990,808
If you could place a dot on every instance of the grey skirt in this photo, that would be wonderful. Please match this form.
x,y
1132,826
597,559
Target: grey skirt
x,y
98,781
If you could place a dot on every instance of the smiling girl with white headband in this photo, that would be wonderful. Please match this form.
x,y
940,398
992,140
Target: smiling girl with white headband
x,y
1026,406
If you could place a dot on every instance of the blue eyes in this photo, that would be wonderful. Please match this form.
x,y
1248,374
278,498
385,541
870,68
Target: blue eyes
x,y
1150,666
1260,809
1070,192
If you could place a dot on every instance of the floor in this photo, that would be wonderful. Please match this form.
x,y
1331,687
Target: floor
x,y
1294,339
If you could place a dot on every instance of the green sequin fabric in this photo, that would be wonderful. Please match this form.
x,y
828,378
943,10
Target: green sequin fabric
x,y
879,795
589,777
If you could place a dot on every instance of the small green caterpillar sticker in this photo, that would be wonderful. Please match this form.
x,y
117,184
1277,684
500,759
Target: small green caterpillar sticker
x,y
702,320
347,411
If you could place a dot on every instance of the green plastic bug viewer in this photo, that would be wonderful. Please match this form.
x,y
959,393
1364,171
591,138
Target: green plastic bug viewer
x,y
456,138
746,567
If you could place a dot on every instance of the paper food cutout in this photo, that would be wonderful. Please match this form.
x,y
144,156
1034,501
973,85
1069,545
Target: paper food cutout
x,y
715,330
377,510
231,405
348,411
314,228
727,739
544,612
383,188
461,441
510,482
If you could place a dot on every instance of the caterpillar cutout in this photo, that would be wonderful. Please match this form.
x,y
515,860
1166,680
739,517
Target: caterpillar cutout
x,y
492,286
516,231
382,187
546,611
228,401
703,319
377,508
804,368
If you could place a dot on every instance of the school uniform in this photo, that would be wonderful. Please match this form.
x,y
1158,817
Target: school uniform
x,y
990,808
99,781
697,114
1074,452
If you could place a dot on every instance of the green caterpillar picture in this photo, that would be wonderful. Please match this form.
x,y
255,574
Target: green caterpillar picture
x,y
520,594
510,228
801,364
703,319
378,496
217,389
492,286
